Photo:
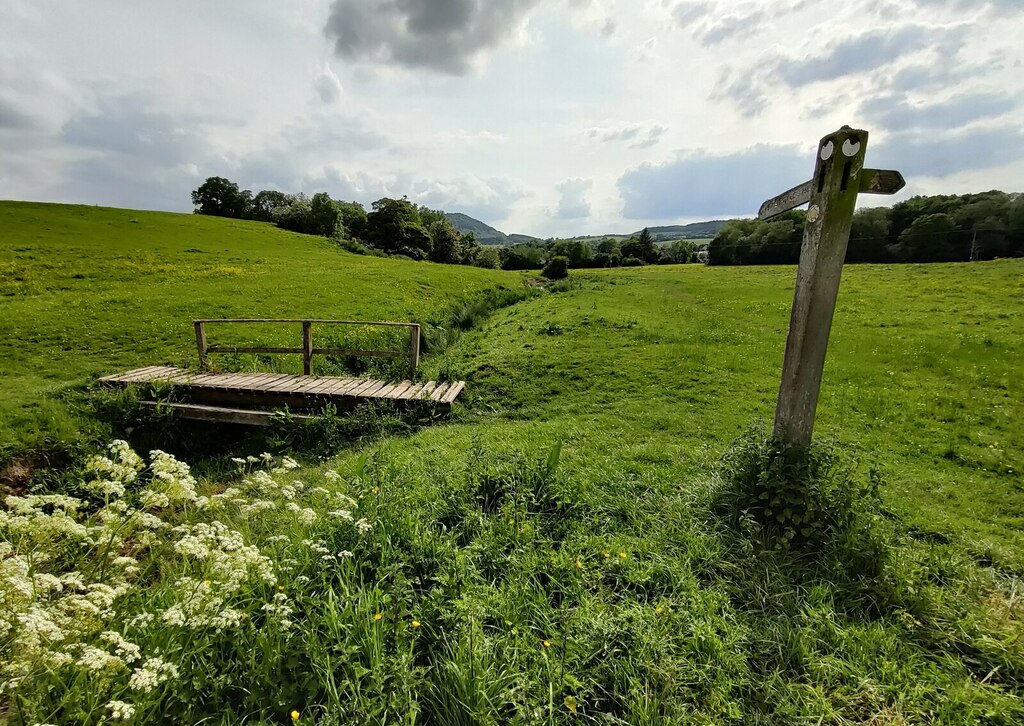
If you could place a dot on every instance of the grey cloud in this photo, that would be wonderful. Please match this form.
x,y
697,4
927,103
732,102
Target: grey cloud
x,y
732,26
1007,7
327,86
895,113
572,202
862,53
687,13
745,89
132,156
13,118
639,135
697,183
439,35
126,126
937,155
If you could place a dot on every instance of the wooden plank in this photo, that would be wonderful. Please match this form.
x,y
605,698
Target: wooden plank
x,y
219,413
414,391
400,389
346,386
386,390
790,199
249,349
254,381
365,385
881,181
428,388
140,374
369,390
328,384
283,382
453,392
438,392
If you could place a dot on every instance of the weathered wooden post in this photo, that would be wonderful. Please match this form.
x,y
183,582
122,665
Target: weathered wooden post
x,y
307,347
414,348
200,326
838,177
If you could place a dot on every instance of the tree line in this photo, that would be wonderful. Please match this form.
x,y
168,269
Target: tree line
x,y
638,250
391,227
941,228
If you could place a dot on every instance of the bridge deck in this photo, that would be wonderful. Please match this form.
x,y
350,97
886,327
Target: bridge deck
x,y
292,390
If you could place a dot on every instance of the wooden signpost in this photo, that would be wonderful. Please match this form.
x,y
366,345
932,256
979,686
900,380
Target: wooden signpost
x,y
839,175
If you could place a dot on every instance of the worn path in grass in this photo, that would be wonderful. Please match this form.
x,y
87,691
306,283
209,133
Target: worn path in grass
x,y
86,291
656,370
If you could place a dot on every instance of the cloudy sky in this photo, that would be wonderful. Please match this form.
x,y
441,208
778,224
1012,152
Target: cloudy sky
x,y
544,117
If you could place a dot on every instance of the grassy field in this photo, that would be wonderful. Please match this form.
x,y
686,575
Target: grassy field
x,y
556,553
88,291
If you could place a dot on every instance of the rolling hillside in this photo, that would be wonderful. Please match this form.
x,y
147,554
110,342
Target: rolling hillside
x,y
86,291
484,233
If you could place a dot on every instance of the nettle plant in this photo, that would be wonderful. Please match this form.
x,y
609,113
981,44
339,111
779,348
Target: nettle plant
x,y
790,496
108,598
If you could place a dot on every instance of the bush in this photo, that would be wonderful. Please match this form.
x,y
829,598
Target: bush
x,y
557,268
783,496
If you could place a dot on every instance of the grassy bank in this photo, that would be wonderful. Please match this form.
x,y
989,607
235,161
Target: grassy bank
x,y
87,291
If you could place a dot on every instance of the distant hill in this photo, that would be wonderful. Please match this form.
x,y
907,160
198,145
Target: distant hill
x,y
484,233
697,230
523,238
488,235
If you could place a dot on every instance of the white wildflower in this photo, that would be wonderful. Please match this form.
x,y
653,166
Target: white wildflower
x,y
98,660
342,514
120,711
332,476
363,526
153,673
127,651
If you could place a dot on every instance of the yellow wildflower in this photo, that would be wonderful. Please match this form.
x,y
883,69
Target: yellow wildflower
x,y
622,555
378,616
295,715
547,643
415,623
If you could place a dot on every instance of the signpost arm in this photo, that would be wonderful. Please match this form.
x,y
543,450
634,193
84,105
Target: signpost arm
x,y
834,189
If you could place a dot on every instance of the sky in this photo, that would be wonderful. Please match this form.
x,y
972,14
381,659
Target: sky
x,y
541,117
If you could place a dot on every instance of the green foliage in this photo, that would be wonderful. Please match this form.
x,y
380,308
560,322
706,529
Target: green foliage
x,y
395,226
488,257
943,228
557,268
786,496
221,197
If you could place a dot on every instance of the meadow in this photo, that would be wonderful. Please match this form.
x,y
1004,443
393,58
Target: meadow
x,y
554,553
90,291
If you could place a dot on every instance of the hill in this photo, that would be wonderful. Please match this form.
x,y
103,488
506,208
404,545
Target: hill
x,y
135,280
484,233
523,238
557,551
696,230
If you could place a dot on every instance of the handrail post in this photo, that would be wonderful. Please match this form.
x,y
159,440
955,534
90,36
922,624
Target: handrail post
x,y
307,347
201,342
414,348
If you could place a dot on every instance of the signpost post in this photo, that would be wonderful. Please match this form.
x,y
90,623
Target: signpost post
x,y
839,175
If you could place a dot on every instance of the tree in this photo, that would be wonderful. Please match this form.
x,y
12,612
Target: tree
x,y
353,218
648,250
394,226
607,245
268,204
324,216
632,248
446,242
576,251
931,237
221,197
681,251
557,268
521,257
869,236
488,257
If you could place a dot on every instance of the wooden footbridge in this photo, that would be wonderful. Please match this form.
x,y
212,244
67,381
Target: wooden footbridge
x,y
250,398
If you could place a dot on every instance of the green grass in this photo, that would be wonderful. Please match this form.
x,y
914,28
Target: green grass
x,y
87,291
558,542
